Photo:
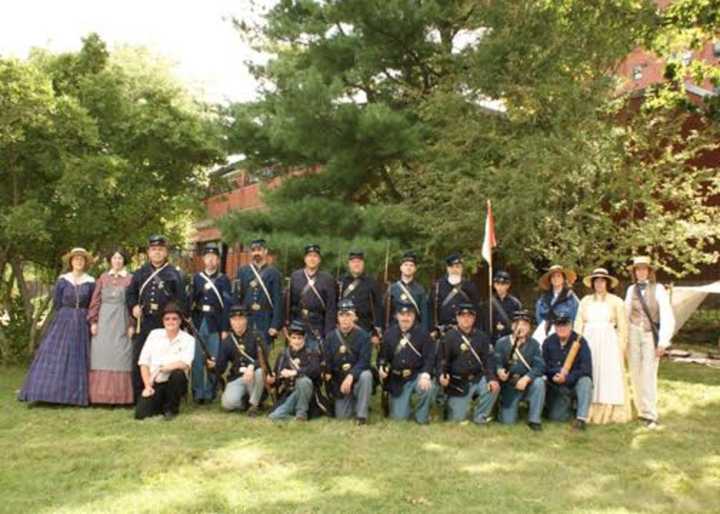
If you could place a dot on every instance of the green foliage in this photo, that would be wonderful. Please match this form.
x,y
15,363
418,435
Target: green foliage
x,y
390,100
96,149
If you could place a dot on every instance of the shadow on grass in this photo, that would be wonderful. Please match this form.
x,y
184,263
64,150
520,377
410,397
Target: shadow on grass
x,y
86,460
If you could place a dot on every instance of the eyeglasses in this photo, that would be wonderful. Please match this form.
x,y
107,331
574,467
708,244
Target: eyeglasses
x,y
171,318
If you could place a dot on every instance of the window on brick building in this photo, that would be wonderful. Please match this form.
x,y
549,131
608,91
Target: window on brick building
x,y
637,72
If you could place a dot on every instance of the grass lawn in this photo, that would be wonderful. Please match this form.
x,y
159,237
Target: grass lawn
x,y
58,459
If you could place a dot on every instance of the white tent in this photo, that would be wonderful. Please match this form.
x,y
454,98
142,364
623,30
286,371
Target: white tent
x,y
686,299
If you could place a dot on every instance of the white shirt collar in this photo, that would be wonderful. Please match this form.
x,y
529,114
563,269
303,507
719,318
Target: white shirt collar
x,y
83,279
122,273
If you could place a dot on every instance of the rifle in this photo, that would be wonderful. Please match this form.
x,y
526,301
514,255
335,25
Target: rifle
x,y
206,353
385,395
571,356
387,286
265,366
508,361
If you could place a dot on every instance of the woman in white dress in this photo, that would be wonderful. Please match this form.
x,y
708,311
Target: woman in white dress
x,y
602,321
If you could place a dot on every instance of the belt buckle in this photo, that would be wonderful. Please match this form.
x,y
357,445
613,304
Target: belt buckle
x,y
346,366
305,312
206,308
406,373
154,306
255,306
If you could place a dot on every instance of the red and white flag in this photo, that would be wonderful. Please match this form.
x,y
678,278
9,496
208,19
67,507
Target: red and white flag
x,y
489,241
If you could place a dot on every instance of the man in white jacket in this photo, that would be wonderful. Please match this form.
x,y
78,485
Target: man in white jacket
x,y
652,324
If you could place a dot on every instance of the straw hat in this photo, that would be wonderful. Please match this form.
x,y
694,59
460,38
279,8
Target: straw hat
x,y
641,260
570,276
601,273
78,251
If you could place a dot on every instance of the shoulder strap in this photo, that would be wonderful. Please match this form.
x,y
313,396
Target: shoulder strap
x,y
409,295
311,285
501,310
646,311
262,284
212,286
149,279
469,343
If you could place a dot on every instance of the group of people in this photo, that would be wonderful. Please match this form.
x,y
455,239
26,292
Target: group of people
x,y
141,338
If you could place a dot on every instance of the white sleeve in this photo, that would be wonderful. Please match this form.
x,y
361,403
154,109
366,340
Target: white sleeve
x,y
667,317
628,301
144,359
188,353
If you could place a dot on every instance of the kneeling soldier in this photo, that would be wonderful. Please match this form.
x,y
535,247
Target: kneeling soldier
x,y
521,369
568,368
468,368
405,360
241,349
347,358
295,370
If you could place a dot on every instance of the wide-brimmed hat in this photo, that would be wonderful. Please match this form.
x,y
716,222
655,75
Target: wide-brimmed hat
x,y
78,251
570,276
641,260
601,273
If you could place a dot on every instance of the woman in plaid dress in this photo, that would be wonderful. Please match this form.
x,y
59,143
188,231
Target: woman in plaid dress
x,y
59,372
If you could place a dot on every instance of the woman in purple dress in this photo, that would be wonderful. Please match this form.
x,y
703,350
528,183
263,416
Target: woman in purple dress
x,y
59,372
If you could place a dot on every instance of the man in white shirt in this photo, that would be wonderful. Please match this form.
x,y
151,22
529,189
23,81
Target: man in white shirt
x,y
652,324
164,362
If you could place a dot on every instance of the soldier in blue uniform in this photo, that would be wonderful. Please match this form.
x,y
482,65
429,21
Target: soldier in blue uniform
x,y
258,286
347,361
521,371
504,306
364,291
152,287
296,370
567,383
407,291
210,300
468,368
406,362
448,292
246,380
312,298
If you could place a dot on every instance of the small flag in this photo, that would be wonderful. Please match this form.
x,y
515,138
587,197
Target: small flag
x,y
489,241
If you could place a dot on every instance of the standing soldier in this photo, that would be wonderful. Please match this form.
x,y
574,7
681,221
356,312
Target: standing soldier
x,y
406,362
312,298
468,368
504,306
258,286
347,354
449,292
407,291
365,294
153,286
210,299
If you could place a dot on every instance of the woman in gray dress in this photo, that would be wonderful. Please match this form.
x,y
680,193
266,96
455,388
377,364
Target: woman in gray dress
x,y
111,327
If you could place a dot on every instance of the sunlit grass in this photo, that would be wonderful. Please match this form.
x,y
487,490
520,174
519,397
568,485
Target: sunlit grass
x,y
59,460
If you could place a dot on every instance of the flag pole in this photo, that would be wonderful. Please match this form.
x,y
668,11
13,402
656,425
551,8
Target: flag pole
x,y
490,280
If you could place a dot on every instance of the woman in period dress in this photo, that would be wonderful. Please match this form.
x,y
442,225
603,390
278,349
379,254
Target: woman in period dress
x,y
557,299
603,322
111,327
59,371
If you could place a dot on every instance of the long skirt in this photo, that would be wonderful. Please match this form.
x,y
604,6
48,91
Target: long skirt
x,y
59,371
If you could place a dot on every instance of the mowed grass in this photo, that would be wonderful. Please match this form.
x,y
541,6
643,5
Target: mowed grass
x,y
59,459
